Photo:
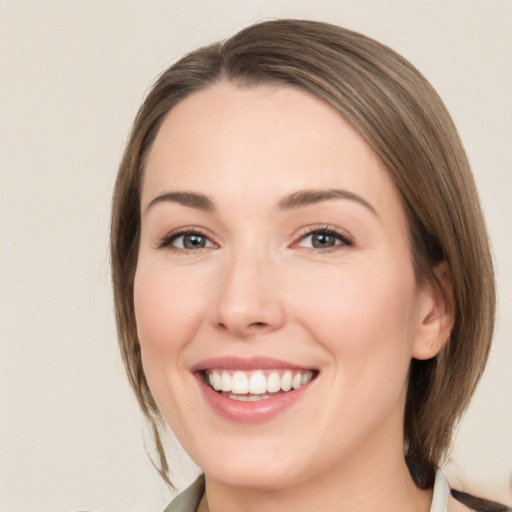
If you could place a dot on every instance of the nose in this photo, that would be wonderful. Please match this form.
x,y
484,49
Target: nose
x,y
250,300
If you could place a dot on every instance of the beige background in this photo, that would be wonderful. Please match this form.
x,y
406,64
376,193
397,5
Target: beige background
x,y
72,74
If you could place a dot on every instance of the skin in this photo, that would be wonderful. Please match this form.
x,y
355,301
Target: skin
x,y
259,287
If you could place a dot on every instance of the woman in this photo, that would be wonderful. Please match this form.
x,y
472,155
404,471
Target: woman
x,y
303,283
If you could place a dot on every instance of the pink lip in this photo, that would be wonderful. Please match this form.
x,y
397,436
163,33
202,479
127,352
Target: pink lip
x,y
248,412
245,364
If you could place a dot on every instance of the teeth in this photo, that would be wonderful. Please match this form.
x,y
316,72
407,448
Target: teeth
x,y
239,383
273,382
225,383
216,381
242,383
248,398
286,381
257,384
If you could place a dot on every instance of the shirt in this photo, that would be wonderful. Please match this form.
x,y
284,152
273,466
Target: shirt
x,y
442,501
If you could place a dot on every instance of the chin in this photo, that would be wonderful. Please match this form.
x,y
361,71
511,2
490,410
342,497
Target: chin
x,y
254,473
254,480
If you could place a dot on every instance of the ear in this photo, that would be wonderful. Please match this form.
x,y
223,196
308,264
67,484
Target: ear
x,y
436,314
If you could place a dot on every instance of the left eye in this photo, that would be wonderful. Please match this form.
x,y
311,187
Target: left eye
x,y
324,240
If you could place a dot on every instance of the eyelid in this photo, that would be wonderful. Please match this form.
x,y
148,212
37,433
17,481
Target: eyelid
x,y
347,240
167,240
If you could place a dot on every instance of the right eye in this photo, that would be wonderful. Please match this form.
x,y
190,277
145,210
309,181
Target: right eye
x,y
186,241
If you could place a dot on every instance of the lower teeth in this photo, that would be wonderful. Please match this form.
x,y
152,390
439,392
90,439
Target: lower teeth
x,y
246,398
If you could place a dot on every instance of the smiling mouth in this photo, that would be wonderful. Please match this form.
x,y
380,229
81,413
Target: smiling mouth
x,y
256,385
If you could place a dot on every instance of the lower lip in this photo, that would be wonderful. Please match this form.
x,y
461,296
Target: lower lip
x,y
251,412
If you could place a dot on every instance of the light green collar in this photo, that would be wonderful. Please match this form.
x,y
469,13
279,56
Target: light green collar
x,y
189,499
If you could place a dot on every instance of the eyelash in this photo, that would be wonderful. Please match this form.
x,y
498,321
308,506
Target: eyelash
x,y
346,240
341,236
167,241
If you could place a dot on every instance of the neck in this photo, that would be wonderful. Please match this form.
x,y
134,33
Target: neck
x,y
362,485
370,475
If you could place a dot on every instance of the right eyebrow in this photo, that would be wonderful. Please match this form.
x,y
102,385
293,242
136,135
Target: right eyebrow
x,y
190,199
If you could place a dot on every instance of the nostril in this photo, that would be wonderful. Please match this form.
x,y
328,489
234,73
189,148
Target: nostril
x,y
244,330
257,326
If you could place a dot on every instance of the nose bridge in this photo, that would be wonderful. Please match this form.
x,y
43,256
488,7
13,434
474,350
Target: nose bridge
x,y
249,300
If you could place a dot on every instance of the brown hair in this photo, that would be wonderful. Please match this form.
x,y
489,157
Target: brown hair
x,y
405,122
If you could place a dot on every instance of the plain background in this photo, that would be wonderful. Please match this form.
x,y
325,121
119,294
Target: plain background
x,y
72,74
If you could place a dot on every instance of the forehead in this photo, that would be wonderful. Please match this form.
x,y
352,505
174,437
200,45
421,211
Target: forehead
x,y
265,140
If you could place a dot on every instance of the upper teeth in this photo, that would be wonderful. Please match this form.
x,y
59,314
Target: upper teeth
x,y
257,383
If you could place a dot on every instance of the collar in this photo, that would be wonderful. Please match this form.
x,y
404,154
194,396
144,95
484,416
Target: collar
x,y
189,499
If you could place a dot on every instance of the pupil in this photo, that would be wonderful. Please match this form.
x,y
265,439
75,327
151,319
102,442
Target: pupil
x,y
322,240
193,241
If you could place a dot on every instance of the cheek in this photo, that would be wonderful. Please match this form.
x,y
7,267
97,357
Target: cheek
x,y
361,315
167,310
363,318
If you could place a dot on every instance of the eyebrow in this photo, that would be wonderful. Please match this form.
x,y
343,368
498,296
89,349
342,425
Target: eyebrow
x,y
308,197
292,201
190,199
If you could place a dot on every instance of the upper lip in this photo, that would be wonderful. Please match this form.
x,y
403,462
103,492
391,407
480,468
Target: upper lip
x,y
247,364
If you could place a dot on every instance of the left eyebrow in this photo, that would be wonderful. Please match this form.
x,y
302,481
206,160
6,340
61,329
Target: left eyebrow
x,y
308,197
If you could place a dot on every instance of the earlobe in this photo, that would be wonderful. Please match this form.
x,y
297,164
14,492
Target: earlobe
x,y
436,315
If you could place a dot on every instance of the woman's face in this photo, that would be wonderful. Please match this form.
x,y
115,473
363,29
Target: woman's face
x,y
274,254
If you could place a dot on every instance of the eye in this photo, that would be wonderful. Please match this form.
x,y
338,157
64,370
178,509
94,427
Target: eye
x,y
325,239
186,241
191,241
322,240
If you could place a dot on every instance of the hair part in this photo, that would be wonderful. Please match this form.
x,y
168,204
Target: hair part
x,y
404,121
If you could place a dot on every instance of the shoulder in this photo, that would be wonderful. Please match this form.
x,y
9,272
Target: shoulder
x,y
473,503
446,500
456,506
188,500
442,498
